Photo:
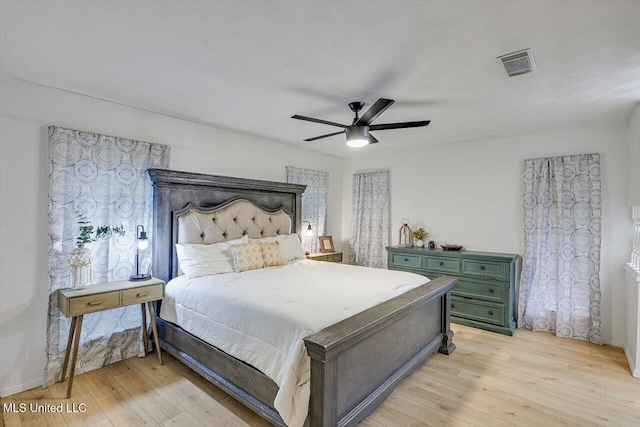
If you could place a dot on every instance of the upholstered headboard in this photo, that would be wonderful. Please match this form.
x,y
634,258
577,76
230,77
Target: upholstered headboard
x,y
198,208
232,220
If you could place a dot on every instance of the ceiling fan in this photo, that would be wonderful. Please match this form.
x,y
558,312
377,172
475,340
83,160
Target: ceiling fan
x,y
358,132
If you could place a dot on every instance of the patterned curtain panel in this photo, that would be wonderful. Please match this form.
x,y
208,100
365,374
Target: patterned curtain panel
x,y
370,219
105,179
560,282
314,203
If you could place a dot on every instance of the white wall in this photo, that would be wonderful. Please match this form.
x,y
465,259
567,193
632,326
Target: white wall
x,y
633,137
27,110
632,309
470,194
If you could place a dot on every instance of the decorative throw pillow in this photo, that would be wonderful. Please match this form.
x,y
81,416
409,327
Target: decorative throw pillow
x,y
247,256
197,260
290,246
271,254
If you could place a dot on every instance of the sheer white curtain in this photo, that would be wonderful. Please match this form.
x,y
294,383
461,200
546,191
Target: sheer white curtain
x,y
105,178
314,203
370,219
560,282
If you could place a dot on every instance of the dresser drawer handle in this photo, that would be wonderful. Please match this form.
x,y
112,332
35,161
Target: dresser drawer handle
x,y
94,303
482,268
142,295
441,263
452,306
490,312
491,290
406,260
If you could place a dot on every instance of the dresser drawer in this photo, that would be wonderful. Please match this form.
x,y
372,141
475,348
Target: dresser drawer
x,y
140,295
447,265
486,290
92,303
477,310
498,270
406,260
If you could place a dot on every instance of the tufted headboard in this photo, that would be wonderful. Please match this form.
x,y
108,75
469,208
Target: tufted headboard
x,y
197,208
230,221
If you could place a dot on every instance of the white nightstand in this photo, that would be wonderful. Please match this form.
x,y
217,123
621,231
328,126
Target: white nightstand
x,y
75,303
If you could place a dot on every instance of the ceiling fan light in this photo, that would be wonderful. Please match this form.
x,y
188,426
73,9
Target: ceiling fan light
x,y
357,142
357,136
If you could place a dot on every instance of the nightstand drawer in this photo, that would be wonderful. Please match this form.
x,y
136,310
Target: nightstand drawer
x,y
140,295
446,265
486,268
477,310
93,303
487,290
404,260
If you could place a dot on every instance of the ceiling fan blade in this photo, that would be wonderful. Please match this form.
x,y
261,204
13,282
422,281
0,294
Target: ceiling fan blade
x,y
403,125
324,122
376,109
372,139
324,136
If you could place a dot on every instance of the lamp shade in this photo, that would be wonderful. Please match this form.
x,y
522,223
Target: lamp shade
x,y
309,231
142,243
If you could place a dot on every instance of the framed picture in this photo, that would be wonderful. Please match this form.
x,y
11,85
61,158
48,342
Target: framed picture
x,y
326,244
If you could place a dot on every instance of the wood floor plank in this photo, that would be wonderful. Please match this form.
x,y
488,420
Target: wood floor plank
x,y
181,420
491,380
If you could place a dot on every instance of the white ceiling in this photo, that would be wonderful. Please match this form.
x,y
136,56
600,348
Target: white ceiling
x,y
250,65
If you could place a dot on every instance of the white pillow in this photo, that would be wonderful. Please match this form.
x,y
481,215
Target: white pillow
x,y
197,260
290,246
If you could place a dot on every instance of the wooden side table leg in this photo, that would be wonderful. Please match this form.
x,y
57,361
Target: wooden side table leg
x,y
76,343
145,336
152,314
72,329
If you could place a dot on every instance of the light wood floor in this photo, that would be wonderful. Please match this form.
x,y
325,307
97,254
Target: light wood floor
x,y
531,379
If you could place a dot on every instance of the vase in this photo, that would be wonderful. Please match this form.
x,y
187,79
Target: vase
x,y
80,263
418,243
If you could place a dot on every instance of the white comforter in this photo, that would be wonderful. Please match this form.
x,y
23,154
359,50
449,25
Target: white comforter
x,y
261,316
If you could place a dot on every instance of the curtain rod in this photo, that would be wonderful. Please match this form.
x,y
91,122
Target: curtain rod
x,y
568,155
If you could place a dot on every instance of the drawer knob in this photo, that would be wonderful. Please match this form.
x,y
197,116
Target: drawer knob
x,y
94,303
482,267
490,312
141,295
452,306
441,263
490,290
406,260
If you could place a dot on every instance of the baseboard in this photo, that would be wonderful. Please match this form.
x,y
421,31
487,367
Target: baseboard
x,y
8,391
613,343
635,371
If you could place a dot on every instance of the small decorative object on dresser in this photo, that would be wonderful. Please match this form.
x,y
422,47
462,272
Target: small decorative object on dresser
x,y
75,303
405,239
483,297
418,237
329,257
326,244
451,247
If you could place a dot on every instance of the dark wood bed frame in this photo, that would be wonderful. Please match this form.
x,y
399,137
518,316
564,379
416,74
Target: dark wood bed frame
x,y
355,363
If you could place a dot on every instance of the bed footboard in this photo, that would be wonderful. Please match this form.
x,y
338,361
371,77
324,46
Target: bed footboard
x,y
356,363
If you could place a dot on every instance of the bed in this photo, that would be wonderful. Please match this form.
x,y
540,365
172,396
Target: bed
x,y
355,363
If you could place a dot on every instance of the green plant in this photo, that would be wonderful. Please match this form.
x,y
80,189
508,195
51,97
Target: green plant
x,y
420,234
102,232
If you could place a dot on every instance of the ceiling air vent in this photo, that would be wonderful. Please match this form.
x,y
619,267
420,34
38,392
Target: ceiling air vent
x,y
517,63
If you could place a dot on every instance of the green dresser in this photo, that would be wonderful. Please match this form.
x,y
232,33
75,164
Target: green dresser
x,y
484,296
